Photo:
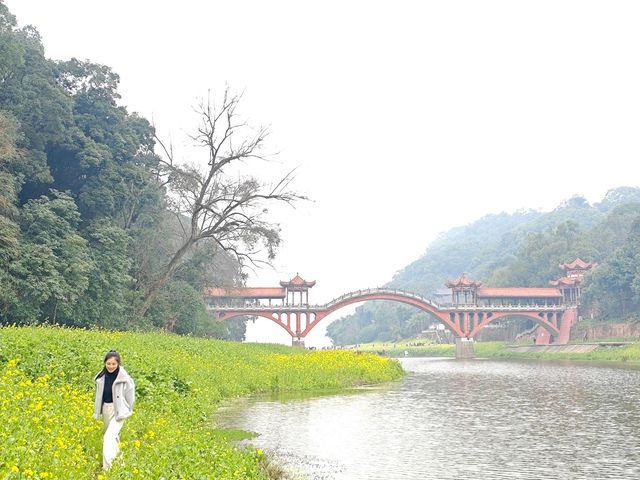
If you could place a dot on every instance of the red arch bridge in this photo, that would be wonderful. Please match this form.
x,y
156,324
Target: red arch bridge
x,y
463,320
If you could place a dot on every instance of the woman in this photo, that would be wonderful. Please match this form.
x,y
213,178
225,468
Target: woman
x,y
115,395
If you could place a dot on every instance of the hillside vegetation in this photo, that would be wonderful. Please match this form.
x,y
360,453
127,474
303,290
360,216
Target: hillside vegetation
x,y
98,227
519,249
47,392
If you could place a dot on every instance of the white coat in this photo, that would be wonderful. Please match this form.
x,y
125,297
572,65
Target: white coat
x,y
124,395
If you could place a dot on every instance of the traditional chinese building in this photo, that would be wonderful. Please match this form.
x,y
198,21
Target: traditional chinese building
x,y
297,285
566,290
569,285
521,296
465,291
241,296
247,296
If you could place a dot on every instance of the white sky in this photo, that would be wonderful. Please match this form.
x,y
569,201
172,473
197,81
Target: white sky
x,y
405,118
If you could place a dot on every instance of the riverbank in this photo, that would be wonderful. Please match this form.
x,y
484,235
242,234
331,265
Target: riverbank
x,y
47,389
608,350
595,351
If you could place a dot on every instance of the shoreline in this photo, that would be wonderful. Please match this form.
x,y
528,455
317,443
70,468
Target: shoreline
x,y
606,350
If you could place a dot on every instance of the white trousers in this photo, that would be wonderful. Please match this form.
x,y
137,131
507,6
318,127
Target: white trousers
x,y
112,427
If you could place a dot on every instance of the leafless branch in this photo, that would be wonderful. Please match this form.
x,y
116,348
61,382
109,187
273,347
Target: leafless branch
x,y
231,213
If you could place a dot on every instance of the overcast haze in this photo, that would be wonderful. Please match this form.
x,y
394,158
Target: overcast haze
x,y
404,119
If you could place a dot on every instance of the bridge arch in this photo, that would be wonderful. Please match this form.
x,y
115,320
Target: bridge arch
x,y
384,294
540,318
268,315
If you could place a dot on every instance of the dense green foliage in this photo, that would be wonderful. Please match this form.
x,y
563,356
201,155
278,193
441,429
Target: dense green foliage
x,y
519,249
47,392
85,227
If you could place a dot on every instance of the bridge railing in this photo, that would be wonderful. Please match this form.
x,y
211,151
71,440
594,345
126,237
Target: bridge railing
x,y
381,291
332,303
510,308
313,308
387,291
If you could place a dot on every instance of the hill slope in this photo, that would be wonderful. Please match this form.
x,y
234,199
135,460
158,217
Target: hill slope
x,y
520,249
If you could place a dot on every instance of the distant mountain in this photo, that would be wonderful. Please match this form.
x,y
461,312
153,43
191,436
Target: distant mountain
x,y
522,248
618,196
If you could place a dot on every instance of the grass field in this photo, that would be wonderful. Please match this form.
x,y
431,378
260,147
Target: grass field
x,y
47,393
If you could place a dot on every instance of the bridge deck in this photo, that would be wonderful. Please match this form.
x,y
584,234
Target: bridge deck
x,y
384,292
459,308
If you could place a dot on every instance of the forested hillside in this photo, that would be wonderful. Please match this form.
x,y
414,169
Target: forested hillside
x,y
519,249
96,228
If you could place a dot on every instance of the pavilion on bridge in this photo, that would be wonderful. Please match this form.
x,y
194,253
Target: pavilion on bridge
x,y
275,296
566,290
569,285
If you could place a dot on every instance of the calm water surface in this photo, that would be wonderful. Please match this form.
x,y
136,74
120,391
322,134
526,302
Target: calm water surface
x,y
451,419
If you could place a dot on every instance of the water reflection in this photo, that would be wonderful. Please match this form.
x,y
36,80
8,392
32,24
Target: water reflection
x,y
452,419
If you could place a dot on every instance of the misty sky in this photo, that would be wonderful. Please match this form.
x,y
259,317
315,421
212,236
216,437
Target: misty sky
x,y
404,118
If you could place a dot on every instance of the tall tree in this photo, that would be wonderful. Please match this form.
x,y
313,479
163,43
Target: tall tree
x,y
30,92
107,300
613,288
9,230
107,159
53,267
227,209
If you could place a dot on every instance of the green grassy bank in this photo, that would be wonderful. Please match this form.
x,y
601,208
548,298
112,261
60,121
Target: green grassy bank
x,y
626,353
47,392
414,348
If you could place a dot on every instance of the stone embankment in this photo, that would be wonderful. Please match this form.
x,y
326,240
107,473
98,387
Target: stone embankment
x,y
605,330
581,348
579,332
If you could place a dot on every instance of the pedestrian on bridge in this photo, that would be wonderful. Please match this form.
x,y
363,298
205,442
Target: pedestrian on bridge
x,y
115,396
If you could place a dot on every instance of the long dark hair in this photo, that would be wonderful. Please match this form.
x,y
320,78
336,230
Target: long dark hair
x,y
110,354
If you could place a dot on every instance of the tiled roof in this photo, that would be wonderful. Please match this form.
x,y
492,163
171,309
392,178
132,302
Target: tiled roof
x,y
297,281
577,264
462,281
240,292
521,292
567,281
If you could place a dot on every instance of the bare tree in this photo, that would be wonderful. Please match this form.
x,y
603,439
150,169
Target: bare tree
x,y
212,204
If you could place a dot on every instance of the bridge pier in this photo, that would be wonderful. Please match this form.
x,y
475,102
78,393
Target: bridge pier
x,y
297,342
464,348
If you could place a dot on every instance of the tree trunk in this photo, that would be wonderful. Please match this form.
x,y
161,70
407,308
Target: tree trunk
x,y
169,324
155,288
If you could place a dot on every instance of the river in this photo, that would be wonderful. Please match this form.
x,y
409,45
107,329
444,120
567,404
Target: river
x,y
449,419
